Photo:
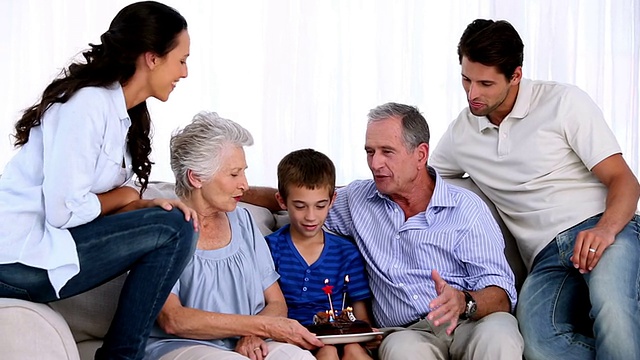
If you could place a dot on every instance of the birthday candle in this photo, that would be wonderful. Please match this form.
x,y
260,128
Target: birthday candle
x,y
327,290
344,291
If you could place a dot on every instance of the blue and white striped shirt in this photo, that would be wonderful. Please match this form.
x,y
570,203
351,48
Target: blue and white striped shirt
x,y
456,235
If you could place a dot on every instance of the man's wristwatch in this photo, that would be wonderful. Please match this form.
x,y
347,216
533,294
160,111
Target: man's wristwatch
x,y
470,307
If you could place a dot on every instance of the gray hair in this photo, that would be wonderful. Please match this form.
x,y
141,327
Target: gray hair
x,y
199,147
415,129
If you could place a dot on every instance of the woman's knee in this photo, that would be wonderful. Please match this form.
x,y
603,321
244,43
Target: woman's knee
x,y
174,226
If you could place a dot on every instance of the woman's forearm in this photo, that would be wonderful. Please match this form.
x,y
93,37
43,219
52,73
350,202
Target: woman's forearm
x,y
116,199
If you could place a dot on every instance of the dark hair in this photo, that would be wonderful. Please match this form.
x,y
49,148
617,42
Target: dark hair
x,y
415,129
492,43
146,26
306,168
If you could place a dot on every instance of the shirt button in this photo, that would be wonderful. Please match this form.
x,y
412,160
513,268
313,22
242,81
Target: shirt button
x,y
415,297
397,237
395,266
308,271
401,284
304,288
306,279
395,210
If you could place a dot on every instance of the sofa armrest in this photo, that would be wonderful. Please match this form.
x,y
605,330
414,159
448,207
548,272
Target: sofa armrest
x,y
34,331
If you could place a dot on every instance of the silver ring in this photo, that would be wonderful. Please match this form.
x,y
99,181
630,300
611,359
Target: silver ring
x,y
592,250
258,348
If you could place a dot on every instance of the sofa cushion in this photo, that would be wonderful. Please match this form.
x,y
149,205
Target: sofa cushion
x,y
89,314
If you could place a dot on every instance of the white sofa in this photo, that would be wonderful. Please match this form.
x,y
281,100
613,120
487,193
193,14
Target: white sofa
x,y
73,328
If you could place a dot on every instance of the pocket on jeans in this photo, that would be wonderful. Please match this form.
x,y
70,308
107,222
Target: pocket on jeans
x,y
9,291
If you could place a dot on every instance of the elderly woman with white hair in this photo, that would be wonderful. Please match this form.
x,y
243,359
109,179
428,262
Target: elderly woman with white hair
x,y
227,303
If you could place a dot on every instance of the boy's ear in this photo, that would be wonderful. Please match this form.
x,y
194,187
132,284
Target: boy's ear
x,y
281,201
194,179
333,198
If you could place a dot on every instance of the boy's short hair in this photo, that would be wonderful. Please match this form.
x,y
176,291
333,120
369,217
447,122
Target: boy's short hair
x,y
306,168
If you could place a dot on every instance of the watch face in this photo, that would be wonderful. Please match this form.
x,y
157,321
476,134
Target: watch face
x,y
471,308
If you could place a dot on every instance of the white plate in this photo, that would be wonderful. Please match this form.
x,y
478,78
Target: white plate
x,y
349,338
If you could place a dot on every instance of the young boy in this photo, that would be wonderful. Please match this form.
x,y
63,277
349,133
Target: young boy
x,y
305,255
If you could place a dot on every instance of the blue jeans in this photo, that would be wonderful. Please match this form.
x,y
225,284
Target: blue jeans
x,y
567,315
154,245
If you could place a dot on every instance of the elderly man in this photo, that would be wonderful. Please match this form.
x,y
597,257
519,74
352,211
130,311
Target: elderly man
x,y
434,254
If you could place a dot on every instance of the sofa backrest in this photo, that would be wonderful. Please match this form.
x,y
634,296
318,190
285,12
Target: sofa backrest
x,y
511,247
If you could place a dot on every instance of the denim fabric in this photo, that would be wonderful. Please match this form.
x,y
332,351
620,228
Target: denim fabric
x,y
154,245
567,315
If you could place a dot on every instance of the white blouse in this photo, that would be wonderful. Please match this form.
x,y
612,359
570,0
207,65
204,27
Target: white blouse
x,y
50,185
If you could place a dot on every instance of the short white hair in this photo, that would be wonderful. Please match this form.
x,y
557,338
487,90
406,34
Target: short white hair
x,y
199,147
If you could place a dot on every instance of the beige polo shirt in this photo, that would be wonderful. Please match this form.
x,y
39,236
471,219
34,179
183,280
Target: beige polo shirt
x,y
536,165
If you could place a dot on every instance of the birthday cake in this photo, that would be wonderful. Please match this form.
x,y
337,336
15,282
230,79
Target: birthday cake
x,y
341,324
334,322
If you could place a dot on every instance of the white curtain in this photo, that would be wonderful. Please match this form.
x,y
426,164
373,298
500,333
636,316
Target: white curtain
x,y
304,73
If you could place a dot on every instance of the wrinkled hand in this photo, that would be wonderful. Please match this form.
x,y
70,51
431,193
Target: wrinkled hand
x,y
169,204
252,347
596,238
290,331
448,305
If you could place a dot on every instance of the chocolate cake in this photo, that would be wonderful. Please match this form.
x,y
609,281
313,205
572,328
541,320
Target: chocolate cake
x,y
343,323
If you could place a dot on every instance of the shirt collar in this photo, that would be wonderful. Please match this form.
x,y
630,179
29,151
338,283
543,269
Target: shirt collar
x,y
520,108
441,196
117,94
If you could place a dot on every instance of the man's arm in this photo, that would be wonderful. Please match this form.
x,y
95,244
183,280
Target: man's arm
x,y
262,196
621,204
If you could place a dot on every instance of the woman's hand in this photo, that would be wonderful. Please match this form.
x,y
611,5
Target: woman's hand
x,y
290,331
252,347
167,204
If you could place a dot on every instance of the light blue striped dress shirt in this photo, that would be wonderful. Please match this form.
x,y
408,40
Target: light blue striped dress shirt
x,y
456,235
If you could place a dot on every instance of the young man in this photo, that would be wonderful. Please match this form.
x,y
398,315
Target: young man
x,y
542,152
305,255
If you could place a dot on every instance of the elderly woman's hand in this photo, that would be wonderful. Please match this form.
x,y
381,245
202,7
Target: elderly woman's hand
x,y
252,347
289,330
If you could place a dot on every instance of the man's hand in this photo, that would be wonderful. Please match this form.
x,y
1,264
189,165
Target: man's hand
x,y
252,347
447,306
290,331
599,239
